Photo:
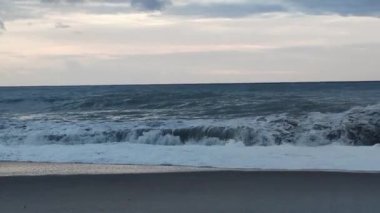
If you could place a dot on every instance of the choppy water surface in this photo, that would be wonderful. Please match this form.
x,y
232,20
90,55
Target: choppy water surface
x,y
310,114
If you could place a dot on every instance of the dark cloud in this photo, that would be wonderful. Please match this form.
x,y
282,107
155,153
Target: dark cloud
x,y
19,9
87,6
150,4
2,26
145,5
227,9
341,7
314,7
62,1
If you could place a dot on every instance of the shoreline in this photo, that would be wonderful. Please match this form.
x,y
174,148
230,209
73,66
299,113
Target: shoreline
x,y
26,168
29,168
232,156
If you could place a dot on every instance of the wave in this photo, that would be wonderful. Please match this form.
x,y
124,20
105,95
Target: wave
x,y
357,126
192,101
234,156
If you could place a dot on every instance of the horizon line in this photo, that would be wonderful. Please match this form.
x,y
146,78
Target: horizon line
x,y
195,83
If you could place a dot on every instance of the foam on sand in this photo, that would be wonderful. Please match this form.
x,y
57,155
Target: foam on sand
x,y
234,156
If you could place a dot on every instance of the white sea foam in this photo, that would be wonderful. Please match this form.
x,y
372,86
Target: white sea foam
x,y
357,126
232,155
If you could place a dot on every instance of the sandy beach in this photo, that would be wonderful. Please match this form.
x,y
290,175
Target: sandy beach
x,y
193,191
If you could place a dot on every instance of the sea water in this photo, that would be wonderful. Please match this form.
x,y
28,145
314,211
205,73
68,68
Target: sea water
x,y
272,125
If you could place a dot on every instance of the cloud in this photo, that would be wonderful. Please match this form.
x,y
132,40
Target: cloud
x,y
61,25
244,8
2,26
227,9
341,7
150,5
62,1
144,5
20,9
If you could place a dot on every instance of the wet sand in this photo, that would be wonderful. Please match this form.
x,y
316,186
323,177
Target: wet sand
x,y
39,169
201,191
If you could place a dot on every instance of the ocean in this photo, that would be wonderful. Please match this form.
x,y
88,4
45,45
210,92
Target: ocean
x,y
222,125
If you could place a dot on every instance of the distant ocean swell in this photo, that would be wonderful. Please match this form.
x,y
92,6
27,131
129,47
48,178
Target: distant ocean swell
x,y
357,126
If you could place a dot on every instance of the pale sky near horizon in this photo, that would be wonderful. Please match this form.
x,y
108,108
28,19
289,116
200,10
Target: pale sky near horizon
x,y
70,42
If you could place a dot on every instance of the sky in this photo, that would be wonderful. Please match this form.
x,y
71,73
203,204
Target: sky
x,y
81,42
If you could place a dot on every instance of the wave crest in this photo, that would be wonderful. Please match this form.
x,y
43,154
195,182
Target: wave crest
x,y
358,126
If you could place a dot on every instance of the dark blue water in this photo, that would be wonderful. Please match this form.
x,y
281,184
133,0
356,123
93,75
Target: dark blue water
x,y
255,114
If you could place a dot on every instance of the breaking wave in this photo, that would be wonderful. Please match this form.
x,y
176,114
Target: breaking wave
x,y
357,126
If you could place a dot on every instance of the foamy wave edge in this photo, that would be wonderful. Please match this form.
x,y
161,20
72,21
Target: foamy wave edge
x,y
357,126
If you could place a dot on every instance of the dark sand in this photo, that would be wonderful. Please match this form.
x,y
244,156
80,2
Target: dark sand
x,y
214,191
